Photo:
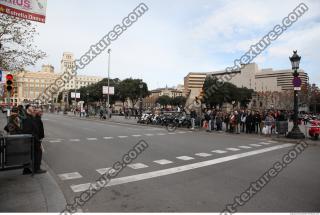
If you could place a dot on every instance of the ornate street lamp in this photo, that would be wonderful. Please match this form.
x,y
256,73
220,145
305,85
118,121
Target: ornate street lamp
x,y
295,133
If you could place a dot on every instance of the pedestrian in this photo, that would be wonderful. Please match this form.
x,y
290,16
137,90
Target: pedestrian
x,y
269,122
243,120
193,116
38,144
13,126
31,126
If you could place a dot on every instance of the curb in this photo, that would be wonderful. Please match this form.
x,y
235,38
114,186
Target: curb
x,y
51,191
309,142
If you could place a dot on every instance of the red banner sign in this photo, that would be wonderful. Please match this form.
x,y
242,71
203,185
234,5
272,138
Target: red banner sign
x,y
34,10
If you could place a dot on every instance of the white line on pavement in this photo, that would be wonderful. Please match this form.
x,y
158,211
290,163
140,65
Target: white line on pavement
x,y
161,134
163,161
69,176
255,145
149,135
265,143
185,158
182,132
172,133
219,151
202,154
103,170
74,140
107,138
121,137
245,147
54,141
272,141
136,135
233,149
137,166
170,171
92,138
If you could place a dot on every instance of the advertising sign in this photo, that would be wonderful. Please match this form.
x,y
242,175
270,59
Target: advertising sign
x,y
105,90
75,95
33,10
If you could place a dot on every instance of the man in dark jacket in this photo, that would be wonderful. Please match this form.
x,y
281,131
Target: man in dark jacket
x,y
38,145
13,126
31,126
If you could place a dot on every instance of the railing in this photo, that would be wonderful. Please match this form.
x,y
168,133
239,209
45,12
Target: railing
x,y
16,152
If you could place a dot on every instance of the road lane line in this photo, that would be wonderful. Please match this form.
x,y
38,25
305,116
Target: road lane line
x,y
103,170
107,138
162,161
74,140
245,147
185,158
149,135
137,166
54,141
182,132
219,151
272,141
255,145
121,137
264,143
202,154
233,149
69,176
136,135
92,138
161,134
170,171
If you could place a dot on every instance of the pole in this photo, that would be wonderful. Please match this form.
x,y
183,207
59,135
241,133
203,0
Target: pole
x,y
8,105
108,102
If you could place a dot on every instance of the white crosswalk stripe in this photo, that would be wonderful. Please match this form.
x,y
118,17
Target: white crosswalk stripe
x,y
54,141
103,170
136,135
185,158
149,135
137,166
163,161
74,140
245,147
92,138
69,176
202,154
161,134
121,137
233,149
182,132
255,145
107,138
264,143
272,141
172,133
219,151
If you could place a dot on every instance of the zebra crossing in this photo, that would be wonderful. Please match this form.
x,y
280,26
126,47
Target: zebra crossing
x,y
176,160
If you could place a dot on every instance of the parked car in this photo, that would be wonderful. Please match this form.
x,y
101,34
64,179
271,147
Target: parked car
x,y
314,130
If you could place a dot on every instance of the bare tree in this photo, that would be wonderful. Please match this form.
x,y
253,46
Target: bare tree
x,y
17,41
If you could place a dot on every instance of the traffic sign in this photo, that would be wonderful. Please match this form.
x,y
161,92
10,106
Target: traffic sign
x,y
296,82
297,88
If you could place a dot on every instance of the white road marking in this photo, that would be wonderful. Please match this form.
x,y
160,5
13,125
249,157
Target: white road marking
x,y
137,166
92,138
245,147
255,145
185,158
265,143
121,137
103,170
219,151
272,141
149,135
161,134
107,138
182,132
74,140
136,135
69,176
55,141
233,149
163,161
172,133
170,171
202,154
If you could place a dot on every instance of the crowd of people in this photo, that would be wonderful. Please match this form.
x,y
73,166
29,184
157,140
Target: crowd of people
x,y
28,121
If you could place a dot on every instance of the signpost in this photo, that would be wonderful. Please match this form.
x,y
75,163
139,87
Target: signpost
x,y
296,81
105,90
33,10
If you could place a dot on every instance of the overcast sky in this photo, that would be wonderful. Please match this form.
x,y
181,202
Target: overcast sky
x,y
176,37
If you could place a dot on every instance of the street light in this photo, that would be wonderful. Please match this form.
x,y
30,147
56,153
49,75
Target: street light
x,y
109,55
295,133
87,104
140,105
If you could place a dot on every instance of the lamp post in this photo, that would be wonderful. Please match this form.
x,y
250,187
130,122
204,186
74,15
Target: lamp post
x,y
108,102
140,104
88,104
295,133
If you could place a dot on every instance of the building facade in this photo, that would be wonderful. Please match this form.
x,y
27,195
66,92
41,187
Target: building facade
x,y
29,85
151,100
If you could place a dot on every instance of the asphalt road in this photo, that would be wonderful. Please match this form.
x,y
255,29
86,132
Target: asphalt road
x,y
181,171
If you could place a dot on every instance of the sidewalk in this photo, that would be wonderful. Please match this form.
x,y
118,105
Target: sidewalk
x,y
24,193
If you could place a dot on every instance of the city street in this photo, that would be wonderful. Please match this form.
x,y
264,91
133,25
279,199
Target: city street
x,y
180,171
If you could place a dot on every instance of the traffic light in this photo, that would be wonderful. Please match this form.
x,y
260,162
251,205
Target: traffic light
x,y
9,82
